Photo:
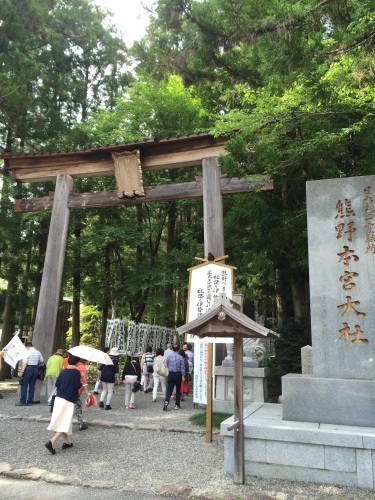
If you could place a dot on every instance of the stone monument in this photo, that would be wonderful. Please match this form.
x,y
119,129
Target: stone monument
x,y
254,376
341,237
324,431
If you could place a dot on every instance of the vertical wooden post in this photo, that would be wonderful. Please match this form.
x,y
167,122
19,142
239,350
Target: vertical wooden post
x,y
45,321
212,208
214,243
209,393
238,438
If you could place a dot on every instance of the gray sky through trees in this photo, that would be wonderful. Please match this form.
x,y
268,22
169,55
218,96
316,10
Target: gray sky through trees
x,y
129,17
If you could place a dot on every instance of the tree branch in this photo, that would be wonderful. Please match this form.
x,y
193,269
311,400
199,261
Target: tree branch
x,y
251,36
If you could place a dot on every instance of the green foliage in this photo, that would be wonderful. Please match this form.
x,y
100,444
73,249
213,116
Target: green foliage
x,y
92,372
89,326
147,110
287,356
290,83
56,58
217,419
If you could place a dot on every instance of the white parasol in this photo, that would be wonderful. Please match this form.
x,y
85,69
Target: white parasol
x,y
90,354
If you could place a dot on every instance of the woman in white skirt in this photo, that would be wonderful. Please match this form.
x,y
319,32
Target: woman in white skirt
x,y
130,374
68,384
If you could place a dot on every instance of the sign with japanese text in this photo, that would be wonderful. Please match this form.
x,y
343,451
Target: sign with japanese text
x,y
341,235
206,282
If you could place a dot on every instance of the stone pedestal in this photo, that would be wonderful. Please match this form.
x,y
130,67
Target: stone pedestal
x,y
254,387
302,451
307,360
329,400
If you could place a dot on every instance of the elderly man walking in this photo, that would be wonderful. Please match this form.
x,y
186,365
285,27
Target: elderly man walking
x,y
29,374
176,367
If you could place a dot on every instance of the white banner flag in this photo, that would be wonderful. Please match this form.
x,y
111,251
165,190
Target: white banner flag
x,y
14,351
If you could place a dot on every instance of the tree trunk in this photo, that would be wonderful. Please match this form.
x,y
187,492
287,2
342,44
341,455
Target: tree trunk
x,y
9,312
76,287
298,295
106,295
169,289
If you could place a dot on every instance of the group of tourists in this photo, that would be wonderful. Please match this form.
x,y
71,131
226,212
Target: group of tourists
x,y
66,379
148,373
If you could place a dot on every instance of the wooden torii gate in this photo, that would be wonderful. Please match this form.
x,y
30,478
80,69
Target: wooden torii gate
x,y
126,162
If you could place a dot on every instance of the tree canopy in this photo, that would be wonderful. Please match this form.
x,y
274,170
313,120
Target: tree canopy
x,y
291,83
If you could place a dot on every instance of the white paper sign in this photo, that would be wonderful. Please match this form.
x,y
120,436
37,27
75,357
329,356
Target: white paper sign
x,y
207,281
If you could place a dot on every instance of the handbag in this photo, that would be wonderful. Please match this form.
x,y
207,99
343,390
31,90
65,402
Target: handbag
x,y
41,371
52,402
136,386
91,401
51,399
184,387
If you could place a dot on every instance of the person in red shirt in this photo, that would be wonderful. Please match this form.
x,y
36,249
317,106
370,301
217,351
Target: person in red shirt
x,y
81,366
65,360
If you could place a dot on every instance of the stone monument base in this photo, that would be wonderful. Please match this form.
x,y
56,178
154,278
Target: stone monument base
x,y
302,451
254,387
328,400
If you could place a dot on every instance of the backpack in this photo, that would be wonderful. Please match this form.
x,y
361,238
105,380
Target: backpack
x,y
160,368
149,360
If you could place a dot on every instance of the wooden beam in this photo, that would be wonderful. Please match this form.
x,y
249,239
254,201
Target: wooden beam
x,y
238,436
209,405
99,162
169,192
212,208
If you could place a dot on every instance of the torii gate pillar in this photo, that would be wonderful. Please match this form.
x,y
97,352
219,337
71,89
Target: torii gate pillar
x,y
212,208
214,243
48,303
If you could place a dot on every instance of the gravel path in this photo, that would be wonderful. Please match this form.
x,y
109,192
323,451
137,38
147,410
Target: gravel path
x,y
144,450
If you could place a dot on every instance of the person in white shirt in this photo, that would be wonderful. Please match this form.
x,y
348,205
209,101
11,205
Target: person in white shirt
x,y
29,373
168,351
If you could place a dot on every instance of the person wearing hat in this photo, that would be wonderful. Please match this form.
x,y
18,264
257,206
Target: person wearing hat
x,y
53,370
108,379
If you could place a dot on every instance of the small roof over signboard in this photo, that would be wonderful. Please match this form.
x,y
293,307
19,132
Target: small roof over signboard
x,y
223,320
